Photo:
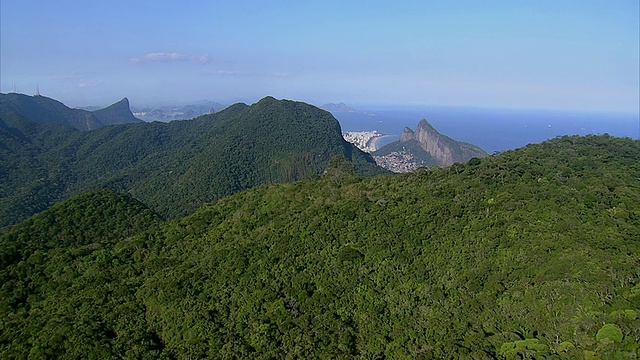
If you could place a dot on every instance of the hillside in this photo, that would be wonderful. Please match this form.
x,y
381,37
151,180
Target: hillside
x,y
532,253
91,217
173,167
43,110
424,147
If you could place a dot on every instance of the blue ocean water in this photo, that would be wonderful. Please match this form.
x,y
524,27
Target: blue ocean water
x,y
491,129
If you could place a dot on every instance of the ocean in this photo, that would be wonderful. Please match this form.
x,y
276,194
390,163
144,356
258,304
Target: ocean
x,y
493,130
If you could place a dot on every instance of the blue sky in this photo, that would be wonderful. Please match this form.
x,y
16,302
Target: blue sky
x,y
577,55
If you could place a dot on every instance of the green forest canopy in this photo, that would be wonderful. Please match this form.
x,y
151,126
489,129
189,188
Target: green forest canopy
x,y
172,167
533,253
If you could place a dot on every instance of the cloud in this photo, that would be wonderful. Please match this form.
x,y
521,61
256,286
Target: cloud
x,y
65,77
160,56
280,74
90,83
81,81
237,73
167,57
229,73
204,58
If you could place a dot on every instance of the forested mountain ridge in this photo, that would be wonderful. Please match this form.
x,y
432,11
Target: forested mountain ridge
x,y
80,221
173,167
533,253
41,110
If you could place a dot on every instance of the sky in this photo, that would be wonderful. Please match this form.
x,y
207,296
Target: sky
x,y
560,54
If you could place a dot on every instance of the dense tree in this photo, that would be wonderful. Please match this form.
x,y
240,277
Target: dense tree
x,y
532,253
173,167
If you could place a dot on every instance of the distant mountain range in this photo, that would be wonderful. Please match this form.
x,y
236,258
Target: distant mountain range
x,y
169,113
340,107
173,167
424,147
40,110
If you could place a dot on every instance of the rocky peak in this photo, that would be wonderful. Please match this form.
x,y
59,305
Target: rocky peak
x,y
439,146
122,105
445,150
424,125
117,113
427,147
407,134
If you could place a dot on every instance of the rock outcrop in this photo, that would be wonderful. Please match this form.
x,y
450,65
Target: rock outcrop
x,y
407,134
424,147
444,149
118,113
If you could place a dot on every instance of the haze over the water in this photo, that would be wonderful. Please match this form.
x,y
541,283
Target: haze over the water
x,y
571,55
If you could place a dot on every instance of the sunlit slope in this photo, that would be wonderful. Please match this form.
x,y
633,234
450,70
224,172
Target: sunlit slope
x,y
533,252
173,167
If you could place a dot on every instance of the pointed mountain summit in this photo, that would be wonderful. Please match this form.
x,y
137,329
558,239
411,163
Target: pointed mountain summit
x,y
117,113
445,150
407,134
425,147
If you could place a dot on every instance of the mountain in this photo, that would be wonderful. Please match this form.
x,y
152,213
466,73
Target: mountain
x,y
532,253
86,218
118,113
424,147
41,110
169,113
340,107
173,167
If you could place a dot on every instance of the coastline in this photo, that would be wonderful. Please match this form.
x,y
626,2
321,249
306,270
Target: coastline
x,y
374,141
